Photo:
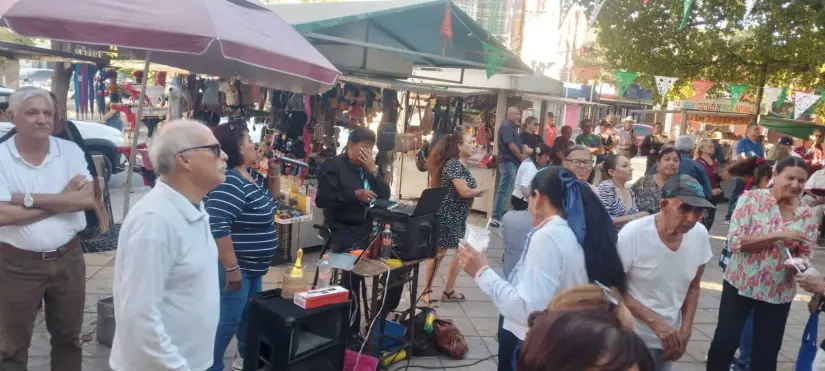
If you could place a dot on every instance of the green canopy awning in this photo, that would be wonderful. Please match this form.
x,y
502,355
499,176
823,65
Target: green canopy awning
x,y
403,25
794,128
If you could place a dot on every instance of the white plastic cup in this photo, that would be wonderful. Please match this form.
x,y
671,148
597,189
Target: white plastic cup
x,y
478,238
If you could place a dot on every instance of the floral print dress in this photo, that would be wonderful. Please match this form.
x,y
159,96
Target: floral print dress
x,y
762,275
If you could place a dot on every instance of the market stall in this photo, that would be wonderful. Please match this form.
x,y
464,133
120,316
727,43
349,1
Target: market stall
x,y
681,121
376,40
793,128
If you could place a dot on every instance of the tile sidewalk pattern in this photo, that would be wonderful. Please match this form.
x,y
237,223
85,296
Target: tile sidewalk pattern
x,y
476,318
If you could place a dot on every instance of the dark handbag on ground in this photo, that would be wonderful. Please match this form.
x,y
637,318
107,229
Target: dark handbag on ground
x,y
423,343
449,339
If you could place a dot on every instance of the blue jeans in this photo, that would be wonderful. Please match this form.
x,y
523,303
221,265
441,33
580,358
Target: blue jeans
x,y
506,179
233,320
738,188
658,363
745,345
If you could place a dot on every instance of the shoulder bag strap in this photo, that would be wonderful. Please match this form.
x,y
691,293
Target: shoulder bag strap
x,y
95,181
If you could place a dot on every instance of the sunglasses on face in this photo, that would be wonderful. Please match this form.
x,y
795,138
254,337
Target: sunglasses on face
x,y
214,148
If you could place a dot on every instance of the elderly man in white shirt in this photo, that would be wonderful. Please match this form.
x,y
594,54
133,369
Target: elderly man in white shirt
x,y
45,186
166,275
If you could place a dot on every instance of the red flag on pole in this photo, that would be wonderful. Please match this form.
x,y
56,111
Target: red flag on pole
x,y
446,29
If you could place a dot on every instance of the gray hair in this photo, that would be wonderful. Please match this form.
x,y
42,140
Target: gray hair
x,y
173,138
577,147
25,93
684,144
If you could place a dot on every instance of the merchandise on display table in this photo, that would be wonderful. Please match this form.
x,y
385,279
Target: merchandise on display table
x,y
295,206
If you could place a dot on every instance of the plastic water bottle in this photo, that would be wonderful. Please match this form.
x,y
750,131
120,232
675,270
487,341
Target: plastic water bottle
x,y
386,242
324,273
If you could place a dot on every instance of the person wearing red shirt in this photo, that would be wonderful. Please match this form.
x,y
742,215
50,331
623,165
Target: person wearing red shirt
x,y
815,155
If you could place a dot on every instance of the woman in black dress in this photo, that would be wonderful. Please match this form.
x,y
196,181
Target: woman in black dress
x,y
447,164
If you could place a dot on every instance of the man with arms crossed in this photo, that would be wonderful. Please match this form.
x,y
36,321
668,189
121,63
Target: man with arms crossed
x,y
664,256
44,188
165,288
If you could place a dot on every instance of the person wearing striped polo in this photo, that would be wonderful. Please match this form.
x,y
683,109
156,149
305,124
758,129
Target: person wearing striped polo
x,y
241,216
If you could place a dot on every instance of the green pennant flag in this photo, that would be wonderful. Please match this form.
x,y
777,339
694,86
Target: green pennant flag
x,y
623,80
493,58
687,4
736,91
780,100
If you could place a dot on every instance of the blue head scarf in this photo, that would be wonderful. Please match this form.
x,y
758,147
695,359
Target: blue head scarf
x,y
573,204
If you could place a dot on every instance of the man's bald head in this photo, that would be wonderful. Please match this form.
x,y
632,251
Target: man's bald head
x,y
173,138
514,114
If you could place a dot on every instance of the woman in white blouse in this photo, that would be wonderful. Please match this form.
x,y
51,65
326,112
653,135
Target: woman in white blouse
x,y
573,242
526,171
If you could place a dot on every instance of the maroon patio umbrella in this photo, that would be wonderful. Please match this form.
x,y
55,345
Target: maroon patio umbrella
x,y
217,37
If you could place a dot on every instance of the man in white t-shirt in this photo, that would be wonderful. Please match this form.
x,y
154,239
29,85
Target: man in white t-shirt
x,y
664,256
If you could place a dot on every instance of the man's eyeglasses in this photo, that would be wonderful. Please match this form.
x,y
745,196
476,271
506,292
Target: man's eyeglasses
x,y
214,148
580,163
612,302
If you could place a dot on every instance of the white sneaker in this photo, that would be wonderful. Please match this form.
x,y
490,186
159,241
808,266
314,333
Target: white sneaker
x,y
237,364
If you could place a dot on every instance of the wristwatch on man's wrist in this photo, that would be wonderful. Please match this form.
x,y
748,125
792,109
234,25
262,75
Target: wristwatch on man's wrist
x,y
28,201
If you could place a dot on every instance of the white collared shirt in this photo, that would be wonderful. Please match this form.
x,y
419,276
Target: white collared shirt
x,y
64,161
165,288
525,174
553,260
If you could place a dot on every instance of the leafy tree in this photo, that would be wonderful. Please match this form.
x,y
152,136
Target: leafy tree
x,y
781,43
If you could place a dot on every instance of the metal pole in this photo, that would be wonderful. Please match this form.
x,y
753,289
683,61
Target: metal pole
x,y
136,133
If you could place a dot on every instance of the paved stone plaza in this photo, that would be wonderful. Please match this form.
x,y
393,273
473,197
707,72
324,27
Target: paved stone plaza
x,y
477,318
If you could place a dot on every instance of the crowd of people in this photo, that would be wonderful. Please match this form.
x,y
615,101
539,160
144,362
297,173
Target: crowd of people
x,y
597,273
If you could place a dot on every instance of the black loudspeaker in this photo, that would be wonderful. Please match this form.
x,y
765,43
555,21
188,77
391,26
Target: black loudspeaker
x,y
414,237
284,337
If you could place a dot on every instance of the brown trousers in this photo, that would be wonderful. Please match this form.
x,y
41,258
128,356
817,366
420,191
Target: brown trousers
x,y
24,283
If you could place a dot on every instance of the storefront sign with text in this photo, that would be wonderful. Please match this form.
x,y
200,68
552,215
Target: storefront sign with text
x,y
713,105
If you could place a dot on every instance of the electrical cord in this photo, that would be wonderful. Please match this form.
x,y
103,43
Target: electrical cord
x,y
408,365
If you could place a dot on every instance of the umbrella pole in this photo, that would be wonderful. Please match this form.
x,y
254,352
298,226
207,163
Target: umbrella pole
x,y
136,134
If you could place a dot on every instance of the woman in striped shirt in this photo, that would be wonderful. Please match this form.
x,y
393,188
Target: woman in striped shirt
x,y
618,199
241,216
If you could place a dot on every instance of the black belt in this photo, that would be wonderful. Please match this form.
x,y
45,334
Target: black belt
x,y
45,255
